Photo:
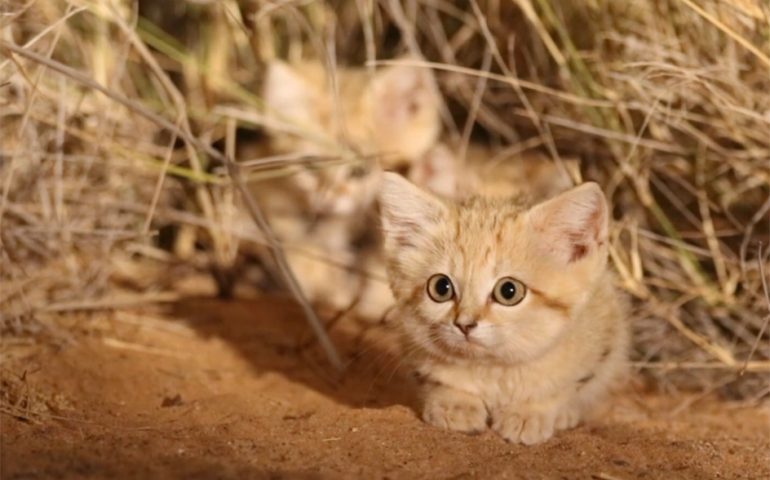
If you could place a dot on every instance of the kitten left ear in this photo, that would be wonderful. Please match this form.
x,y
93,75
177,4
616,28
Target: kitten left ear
x,y
573,225
408,213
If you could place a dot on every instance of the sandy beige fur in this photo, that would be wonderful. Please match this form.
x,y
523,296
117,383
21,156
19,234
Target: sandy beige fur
x,y
526,370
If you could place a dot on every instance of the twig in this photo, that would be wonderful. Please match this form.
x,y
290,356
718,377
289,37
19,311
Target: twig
x,y
135,347
159,183
535,87
111,302
605,476
765,288
753,366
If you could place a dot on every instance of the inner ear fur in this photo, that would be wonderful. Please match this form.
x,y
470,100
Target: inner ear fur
x,y
573,225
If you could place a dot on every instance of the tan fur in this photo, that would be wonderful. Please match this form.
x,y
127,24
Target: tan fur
x,y
526,370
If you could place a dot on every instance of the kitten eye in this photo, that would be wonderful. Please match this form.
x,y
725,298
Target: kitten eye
x,y
440,288
509,291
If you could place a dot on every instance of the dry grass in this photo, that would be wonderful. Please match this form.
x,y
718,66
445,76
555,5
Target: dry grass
x,y
117,119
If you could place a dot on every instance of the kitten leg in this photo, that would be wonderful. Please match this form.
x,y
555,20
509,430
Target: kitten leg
x,y
454,409
568,417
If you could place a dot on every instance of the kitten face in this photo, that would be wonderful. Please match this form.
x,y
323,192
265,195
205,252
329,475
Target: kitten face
x,y
514,275
341,190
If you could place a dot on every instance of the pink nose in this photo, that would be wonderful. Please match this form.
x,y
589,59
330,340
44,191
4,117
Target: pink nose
x,y
465,327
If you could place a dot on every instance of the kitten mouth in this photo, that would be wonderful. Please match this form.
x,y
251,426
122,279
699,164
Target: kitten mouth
x,y
454,345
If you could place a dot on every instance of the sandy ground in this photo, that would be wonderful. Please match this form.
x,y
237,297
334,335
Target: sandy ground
x,y
212,389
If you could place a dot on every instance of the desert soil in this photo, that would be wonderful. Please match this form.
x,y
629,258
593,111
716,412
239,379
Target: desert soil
x,y
215,389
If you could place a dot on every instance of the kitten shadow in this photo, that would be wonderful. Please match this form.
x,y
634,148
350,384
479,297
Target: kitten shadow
x,y
273,335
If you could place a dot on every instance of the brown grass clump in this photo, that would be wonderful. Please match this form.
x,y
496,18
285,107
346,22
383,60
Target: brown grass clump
x,y
117,119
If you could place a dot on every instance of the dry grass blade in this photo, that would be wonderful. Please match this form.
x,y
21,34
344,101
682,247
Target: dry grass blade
x,y
762,330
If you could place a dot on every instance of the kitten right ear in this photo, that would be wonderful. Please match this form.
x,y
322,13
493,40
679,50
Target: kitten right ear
x,y
573,226
286,94
408,214
401,89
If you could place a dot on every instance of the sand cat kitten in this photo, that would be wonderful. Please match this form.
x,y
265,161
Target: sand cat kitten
x,y
321,211
509,310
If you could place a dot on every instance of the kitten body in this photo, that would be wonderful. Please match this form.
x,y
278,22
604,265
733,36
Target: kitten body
x,y
525,369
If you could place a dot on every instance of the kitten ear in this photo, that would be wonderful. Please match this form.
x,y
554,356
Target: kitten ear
x,y
402,93
286,94
437,171
573,225
409,215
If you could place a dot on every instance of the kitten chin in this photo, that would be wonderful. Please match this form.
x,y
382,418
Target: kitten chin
x,y
510,307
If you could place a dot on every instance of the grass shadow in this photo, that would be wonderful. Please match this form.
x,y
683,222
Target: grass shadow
x,y
272,334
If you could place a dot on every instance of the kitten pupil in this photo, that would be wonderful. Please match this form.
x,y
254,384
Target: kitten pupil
x,y
440,288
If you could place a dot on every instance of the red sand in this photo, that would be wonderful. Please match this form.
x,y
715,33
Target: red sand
x,y
220,390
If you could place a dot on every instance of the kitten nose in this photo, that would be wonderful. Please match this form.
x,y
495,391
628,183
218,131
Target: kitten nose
x,y
465,326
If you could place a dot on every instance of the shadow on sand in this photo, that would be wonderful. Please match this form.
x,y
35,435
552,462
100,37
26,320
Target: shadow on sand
x,y
272,334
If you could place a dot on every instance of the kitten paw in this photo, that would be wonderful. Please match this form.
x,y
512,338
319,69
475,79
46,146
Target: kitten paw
x,y
528,428
567,418
455,410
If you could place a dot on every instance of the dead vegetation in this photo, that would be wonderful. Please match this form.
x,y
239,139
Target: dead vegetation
x,y
117,120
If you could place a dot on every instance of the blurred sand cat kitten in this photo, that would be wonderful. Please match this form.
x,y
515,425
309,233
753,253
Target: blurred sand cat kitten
x,y
509,309
321,211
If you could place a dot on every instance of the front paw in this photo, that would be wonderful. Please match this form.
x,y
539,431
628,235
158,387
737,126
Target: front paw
x,y
454,410
525,427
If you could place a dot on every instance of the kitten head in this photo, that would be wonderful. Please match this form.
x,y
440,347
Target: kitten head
x,y
489,278
402,105
394,111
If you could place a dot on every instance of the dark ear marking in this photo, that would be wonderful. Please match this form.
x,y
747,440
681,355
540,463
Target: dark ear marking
x,y
574,223
585,379
605,354
579,251
423,379
403,239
